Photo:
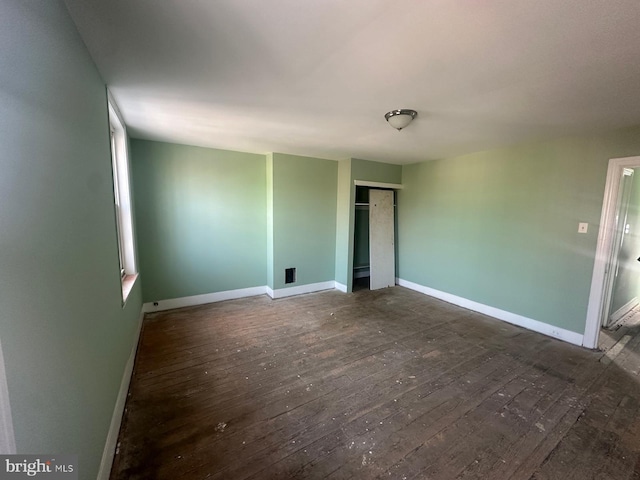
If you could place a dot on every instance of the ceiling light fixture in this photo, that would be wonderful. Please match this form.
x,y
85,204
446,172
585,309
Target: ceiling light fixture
x,y
399,119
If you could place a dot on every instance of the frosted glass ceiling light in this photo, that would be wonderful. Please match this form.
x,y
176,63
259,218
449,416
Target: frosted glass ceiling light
x,y
399,119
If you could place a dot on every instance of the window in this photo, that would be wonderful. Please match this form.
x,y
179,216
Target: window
x,y
122,200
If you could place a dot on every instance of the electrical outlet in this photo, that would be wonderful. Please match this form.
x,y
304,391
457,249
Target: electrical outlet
x,y
583,227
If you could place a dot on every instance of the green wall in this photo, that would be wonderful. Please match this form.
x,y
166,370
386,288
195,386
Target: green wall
x,y
500,227
375,171
361,238
343,219
201,219
214,220
304,191
269,213
65,335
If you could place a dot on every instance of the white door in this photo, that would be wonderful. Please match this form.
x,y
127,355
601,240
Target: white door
x,y
382,262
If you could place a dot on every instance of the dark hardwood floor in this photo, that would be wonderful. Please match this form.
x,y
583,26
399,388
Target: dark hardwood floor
x,y
382,384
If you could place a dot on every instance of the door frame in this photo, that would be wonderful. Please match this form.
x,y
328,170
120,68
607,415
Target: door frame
x,y
605,249
348,287
621,213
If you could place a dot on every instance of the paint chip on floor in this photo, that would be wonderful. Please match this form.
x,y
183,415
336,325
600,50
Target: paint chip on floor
x,y
220,427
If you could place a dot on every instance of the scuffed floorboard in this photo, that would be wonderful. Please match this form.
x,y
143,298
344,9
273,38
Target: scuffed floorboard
x,y
375,384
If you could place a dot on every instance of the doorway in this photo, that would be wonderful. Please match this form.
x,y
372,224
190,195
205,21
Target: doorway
x,y
621,291
374,238
615,286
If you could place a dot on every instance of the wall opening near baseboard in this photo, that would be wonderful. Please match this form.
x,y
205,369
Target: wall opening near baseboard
x,y
289,275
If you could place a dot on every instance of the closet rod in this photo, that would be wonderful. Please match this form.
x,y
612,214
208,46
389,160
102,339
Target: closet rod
x,y
366,205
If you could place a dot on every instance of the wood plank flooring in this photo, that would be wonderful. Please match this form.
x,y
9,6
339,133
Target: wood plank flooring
x,y
375,384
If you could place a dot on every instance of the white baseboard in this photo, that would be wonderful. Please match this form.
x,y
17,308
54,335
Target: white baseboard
x,y
341,287
172,303
118,411
528,323
203,299
623,310
301,289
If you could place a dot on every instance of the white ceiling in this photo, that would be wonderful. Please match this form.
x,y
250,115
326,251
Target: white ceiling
x,y
315,77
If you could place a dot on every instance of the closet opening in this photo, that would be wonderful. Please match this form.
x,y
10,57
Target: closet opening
x,y
374,252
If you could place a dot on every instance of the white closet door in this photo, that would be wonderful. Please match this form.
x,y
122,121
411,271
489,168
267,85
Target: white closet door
x,y
382,262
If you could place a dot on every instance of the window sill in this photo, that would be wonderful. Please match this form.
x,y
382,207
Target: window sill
x,y
127,285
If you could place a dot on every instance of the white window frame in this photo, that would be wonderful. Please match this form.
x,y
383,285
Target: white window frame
x,y
122,199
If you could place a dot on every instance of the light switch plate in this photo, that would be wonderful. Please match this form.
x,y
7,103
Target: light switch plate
x,y
583,227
